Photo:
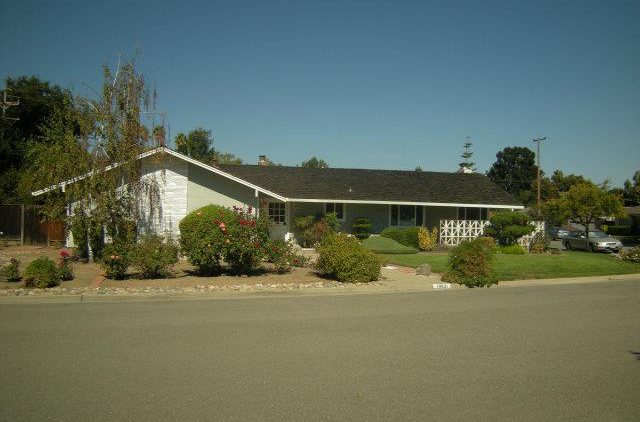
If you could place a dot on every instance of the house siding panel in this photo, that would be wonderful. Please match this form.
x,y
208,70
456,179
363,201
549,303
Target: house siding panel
x,y
206,188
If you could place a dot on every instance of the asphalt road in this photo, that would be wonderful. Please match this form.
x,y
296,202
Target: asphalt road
x,y
554,353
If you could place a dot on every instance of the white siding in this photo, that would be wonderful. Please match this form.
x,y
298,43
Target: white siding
x,y
172,179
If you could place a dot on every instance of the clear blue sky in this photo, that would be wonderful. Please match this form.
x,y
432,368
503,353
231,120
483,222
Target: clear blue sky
x,y
363,83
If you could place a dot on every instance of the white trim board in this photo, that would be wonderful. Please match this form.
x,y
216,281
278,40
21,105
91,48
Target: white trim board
x,y
428,204
219,172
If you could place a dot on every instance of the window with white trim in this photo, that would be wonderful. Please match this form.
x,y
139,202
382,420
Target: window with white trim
x,y
277,212
336,207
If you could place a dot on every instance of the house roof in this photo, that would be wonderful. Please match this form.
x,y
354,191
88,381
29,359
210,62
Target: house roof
x,y
303,184
365,185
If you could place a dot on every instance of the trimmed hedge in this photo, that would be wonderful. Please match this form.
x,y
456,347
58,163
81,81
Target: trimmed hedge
x,y
619,230
407,236
342,258
379,244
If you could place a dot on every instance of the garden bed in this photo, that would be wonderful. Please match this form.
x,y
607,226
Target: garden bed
x,y
183,275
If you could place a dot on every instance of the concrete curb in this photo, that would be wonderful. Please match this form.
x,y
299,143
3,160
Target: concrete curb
x,y
314,291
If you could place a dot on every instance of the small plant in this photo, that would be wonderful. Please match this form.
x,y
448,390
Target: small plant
x,y
115,261
362,227
539,243
510,250
64,265
10,271
41,273
631,255
471,264
343,259
283,256
508,226
427,240
154,256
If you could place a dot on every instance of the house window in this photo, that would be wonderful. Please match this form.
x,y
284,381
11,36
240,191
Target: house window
x,y
405,215
472,213
277,212
336,207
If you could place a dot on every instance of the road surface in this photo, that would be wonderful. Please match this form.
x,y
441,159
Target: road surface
x,y
552,353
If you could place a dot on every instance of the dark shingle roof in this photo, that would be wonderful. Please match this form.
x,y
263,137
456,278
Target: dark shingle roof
x,y
373,185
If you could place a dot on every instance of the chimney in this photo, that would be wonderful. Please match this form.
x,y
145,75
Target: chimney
x,y
262,160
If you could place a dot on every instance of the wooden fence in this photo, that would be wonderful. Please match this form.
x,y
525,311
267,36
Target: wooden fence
x,y
23,225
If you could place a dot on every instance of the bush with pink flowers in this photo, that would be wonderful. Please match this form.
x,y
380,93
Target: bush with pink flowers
x,y
213,234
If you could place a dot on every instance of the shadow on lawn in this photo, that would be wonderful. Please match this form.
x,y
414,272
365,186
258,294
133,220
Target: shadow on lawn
x,y
636,354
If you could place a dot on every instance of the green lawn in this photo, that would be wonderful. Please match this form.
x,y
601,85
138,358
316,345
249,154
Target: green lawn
x,y
384,245
514,267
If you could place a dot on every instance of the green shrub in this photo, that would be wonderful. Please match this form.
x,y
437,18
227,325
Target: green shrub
x,y
311,230
471,264
283,256
405,236
539,243
213,233
41,273
342,258
427,240
631,255
508,226
64,265
154,256
510,250
96,239
362,227
10,271
618,230
115,260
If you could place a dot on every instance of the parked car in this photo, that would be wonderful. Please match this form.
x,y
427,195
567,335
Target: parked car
x,y
558,233
598,241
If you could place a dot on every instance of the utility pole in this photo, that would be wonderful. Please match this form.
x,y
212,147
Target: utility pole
x,y
537,141
5,104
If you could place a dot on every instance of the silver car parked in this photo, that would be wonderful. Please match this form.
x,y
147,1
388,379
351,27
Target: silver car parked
x,y
598,241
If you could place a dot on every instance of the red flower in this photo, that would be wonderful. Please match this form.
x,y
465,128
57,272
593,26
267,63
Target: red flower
x,y
64,253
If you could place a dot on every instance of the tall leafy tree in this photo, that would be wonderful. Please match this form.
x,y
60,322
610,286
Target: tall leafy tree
x,y
227,158
38,100
584,203
111,134
631,190
198,144
315,162
515,171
